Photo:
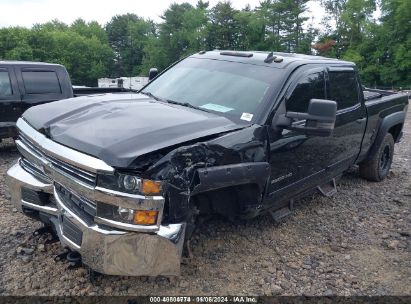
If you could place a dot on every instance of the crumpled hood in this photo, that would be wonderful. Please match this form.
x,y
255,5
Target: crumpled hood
x,y
118,128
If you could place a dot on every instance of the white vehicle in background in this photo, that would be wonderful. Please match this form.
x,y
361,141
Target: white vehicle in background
x,y
132,83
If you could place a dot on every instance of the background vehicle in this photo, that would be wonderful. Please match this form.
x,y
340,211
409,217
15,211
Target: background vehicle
x,y
123,178
26,84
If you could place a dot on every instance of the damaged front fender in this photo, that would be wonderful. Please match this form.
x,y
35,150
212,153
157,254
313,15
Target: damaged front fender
x,y
237,158
232,175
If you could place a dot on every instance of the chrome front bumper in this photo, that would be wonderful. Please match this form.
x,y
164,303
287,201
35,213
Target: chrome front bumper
x,y
58,185
106,250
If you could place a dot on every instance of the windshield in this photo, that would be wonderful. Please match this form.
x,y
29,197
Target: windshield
x,y
228,88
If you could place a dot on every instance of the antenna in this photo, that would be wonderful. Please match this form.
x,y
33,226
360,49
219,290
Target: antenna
x,y
270,58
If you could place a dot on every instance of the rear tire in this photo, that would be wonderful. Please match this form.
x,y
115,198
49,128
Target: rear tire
x,y
377,168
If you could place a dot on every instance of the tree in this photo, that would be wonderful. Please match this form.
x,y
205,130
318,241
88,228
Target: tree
x,y
13,43
394,37
21,52
127,35
380,50
291,20
334,10
250,30
84,67
130,45
356,18
183,30
89,30
223,28
282,22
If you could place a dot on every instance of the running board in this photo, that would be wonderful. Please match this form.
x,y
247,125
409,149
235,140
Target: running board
x,y
279,214
328,189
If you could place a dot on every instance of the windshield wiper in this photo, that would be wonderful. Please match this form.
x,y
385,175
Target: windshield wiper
x,y
186,104
152,96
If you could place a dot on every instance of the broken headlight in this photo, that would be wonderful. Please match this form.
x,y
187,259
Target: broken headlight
x,y
129,183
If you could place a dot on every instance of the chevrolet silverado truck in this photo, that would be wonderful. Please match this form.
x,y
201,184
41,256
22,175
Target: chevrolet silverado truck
x,y
25,84
123,179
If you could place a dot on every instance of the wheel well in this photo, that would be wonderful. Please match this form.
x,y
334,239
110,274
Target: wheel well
x,y
395,131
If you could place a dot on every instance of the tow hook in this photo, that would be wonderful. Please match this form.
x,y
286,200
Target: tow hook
x,y
73,258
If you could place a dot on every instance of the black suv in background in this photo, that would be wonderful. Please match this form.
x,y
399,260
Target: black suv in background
x,y
25,84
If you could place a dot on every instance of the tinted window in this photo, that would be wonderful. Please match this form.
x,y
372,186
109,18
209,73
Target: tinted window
x,y
311,86
5,85
343,89
41,82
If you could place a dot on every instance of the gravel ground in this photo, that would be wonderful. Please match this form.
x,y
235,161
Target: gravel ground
x,y
355,243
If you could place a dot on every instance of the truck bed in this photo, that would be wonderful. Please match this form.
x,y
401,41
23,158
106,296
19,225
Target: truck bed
x,y
370,94
381,104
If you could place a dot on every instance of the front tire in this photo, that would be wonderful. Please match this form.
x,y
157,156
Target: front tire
x,y
377,168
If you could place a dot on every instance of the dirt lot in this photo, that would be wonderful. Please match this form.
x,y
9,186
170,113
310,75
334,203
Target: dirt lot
x,y
356,243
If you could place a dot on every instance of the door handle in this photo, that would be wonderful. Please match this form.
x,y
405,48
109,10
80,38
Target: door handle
x,y
360,120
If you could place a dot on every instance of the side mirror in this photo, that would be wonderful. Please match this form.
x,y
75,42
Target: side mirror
x,y
319,119
152,73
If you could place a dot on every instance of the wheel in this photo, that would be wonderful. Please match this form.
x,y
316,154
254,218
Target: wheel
x,y
377,168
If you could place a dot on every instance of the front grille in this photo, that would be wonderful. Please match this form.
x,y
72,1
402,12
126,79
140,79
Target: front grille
x,y
33,169
83,208
76,173
30,145
71,231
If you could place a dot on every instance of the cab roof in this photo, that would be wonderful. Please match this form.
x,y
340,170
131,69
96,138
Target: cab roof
x,y
269,59
17,62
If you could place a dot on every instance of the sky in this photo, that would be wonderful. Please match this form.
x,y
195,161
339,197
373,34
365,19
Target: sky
x,y
28,12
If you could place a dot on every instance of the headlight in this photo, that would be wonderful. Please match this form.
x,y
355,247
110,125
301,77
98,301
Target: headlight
x,y
130,184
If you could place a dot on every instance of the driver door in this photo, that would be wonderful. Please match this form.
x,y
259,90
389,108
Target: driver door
x,y
297,160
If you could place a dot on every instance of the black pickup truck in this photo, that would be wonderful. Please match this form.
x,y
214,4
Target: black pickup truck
x,y
25,84
123,178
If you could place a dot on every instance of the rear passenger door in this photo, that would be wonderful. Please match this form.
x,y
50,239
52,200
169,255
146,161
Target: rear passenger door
x,y
10,105
343,87
39,85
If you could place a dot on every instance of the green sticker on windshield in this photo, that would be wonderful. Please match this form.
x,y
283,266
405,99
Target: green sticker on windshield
x,y
216,107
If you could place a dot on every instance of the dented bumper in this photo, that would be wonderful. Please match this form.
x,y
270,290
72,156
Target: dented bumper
x,y
106,250
58,185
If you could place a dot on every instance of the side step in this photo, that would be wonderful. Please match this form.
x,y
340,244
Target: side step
x,y
279,214
328,189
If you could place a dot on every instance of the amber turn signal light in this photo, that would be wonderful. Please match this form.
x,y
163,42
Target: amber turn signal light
x,y
150,187
142,217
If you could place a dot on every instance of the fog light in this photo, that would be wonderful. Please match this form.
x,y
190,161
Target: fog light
x,y
145,217
126,214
